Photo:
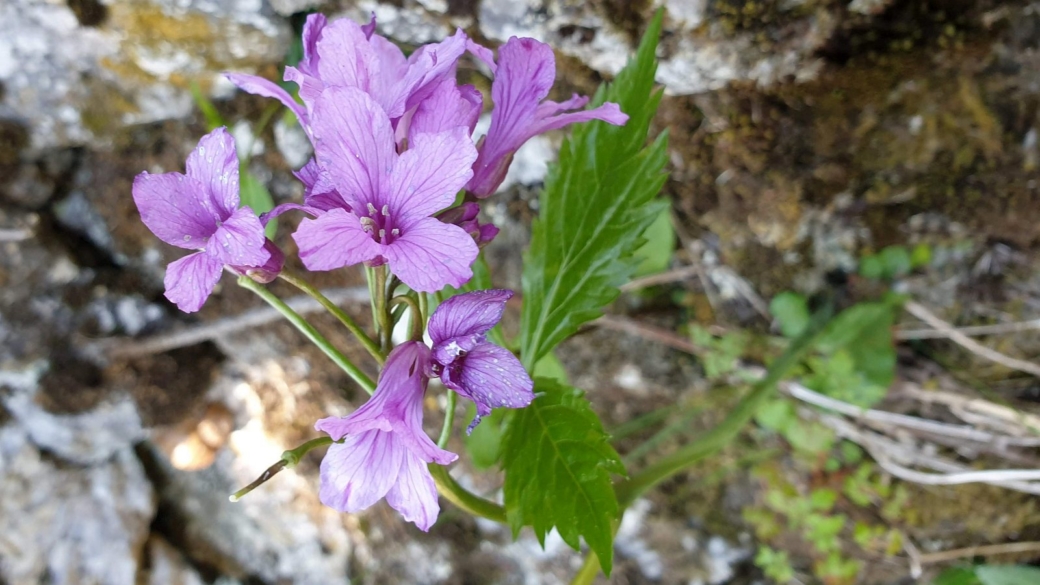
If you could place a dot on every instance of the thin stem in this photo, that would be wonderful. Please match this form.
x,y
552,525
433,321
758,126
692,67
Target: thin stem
x,y
628,490
424,307
289,460
449,418
310,332
464,499
344,318
383,321
416,317
589,569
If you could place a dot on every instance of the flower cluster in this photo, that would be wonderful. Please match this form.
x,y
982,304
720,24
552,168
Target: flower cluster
x,y
393,149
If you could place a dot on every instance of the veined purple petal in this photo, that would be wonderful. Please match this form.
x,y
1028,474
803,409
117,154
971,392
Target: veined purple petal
x,y
262,87
269,270
358,472
349,60
608,112
447,107
355,144
310,85
385,450
318,189
214,163
190,280
430,254
492,377
281,208
483,53
414,494
430,173
334,240
312,30
549,107
239,241
472,313
428,65
171,207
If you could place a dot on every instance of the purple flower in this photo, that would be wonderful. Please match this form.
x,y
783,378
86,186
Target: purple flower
x,y
465,216
199,211
345,54
384,450
524,75
466,362
388,197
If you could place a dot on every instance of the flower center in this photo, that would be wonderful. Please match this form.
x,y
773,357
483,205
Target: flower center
x,y
379,224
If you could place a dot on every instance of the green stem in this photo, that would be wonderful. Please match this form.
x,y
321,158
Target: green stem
x,y
416,317
289,460
384,324
310,332
344,318
589,569
463,499
449,418
424,307
628,490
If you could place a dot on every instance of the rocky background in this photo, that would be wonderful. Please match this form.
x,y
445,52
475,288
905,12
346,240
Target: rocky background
x,y
803,133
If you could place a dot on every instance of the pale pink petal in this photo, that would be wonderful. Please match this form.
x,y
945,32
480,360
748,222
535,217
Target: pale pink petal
x,y
239,241
354,143
190,280
414,494
265,88
170,206
472,313
358,472
430,173
333,240
430,255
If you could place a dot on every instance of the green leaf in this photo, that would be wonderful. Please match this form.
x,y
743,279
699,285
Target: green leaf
x,y
1007,575
957,576
254,194
896,260
598,200
551,367
859,355
656,253
791,311
558,462
484,444
209,111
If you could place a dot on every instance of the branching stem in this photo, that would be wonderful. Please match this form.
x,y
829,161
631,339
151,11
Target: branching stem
x,y
344,318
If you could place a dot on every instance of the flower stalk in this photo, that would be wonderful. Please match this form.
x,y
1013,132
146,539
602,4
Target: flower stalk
x,y
310,333
289,460
344,318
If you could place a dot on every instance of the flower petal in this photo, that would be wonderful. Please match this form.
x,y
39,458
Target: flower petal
x,y
171,207
239,241
526,71
333,240
190,280
472,313
358,472
492,377
214,163
268,271
430,174
262,87
318,190
428,65
447,107
431,254
349,58
482,53
414,494
608,112
354,143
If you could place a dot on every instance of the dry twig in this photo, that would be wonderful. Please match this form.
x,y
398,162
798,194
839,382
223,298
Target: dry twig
x,y
922,313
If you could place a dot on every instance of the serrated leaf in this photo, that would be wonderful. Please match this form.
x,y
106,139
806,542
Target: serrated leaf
x,y
253,193
656,253
559,461
598,200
